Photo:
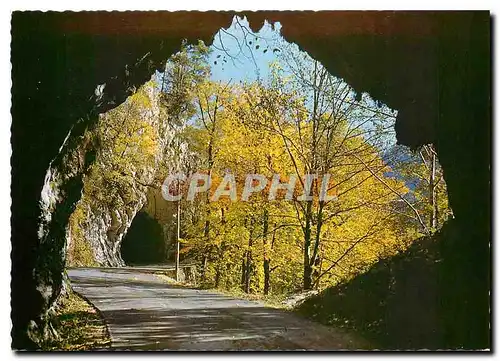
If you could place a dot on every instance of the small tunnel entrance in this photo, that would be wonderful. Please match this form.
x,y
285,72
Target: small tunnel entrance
x,y
143,243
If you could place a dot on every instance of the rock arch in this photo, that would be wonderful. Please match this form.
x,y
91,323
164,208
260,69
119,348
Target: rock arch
x,y
434,67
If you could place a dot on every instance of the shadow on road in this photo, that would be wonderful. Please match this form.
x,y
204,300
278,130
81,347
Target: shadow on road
x,y
144,313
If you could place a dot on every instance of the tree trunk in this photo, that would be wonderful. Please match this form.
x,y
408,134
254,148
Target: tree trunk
x,y
267,261
220,253
243,266
315,260
248,262
307,276
243,272
204,264
248,273
217,275
432,189
206,237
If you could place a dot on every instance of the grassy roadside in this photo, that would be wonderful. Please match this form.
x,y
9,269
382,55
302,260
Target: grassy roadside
x,y
274,301
79,326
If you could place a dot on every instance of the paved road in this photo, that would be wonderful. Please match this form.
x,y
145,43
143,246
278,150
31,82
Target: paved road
x,y
145,313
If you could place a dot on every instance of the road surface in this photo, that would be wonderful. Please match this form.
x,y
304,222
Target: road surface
x,y
145,313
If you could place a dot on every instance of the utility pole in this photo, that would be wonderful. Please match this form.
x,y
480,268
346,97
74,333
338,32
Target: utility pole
x,y
178,240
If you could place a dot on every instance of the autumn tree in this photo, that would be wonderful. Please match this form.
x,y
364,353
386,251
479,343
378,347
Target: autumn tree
x,y
424,175
323,129
302,121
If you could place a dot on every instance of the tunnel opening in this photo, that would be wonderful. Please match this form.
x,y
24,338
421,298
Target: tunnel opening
x,y
235,255
252,102
143,243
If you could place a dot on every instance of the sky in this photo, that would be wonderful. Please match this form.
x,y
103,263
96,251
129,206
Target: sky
x,y
240,55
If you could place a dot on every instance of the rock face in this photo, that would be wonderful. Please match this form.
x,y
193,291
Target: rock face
x,y
433,67
108,213
105,229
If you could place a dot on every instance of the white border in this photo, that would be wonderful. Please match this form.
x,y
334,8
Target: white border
x,y
5,151
252,5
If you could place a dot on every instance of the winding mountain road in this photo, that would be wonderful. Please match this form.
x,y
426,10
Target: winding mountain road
x,y
145,313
